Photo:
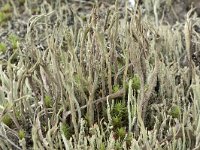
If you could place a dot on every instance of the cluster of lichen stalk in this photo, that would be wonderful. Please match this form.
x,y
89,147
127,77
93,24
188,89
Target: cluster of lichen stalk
x,y
110,81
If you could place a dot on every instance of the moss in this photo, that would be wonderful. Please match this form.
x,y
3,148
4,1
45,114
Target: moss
x,y
6,8
2,47
128,139
175,111
116,88
118,146
136,82
6,119
116,121
102,146
21,134
13,40
119,109
83,17
4,17
48,101
121,132
65,129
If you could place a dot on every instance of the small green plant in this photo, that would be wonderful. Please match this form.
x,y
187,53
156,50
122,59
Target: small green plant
x,y
136,82
175,111
7,120
13,40
119,109
128,139
2,17
2,47
116,88
121,132
6,8
65,129
48,101
118,146
21,134
102,146
117,121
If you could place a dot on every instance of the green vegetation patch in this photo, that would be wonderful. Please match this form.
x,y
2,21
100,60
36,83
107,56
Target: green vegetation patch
x,y
2,47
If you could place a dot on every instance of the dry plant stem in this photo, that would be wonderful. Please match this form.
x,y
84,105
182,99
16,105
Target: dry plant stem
x,y
93,66
73,110
150,89
44,106
155,11
22,143
39,130
90,109
187,31
11,74
125,75
114,42
21,82
109,57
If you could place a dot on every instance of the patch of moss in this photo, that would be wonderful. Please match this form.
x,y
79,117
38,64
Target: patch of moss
x,y
136,82
175,111
128,139
102,146
6,8
2,47
6,119
116,121
48,101
21,134
2,17
121,132
118,146
65,129
119,109
13,40
116,88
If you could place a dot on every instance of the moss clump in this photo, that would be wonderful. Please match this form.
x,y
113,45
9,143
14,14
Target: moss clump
x,y
121,132
175,111
6,8
128,139
6,119
65,129
119,109
2,17
5,13
13,40
116,88
117,121
118,146
102,146
136,82
48,101
2,47
21,134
